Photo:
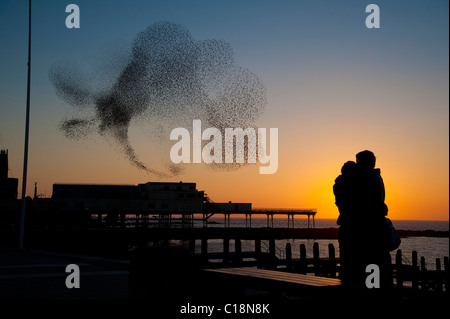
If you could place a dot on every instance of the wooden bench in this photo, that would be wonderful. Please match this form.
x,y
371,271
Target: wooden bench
x,y
273,281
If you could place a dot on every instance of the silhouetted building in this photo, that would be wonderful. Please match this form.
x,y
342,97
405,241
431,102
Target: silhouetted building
x,y
227,207
152,197
8,186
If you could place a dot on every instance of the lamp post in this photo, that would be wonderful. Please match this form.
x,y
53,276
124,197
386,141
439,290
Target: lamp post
x,y
27,129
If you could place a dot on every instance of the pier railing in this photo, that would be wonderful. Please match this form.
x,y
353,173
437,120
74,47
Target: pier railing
x,y
186,219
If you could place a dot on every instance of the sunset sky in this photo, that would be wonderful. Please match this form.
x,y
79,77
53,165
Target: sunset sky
x,y
334,88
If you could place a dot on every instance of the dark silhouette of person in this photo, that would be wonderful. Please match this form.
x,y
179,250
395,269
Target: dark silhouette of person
x,y
344,189
360,195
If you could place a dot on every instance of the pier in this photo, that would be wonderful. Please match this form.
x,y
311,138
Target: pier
x,y
191,219
153,204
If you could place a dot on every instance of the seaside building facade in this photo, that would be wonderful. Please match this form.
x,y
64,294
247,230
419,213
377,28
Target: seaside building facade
x,y
148,198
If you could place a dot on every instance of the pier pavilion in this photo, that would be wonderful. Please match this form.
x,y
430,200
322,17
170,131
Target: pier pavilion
x,y
161,204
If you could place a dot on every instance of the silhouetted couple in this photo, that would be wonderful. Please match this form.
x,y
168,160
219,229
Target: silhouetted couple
x,y
359,193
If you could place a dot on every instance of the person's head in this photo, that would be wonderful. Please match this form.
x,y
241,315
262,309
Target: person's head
x,y
365,160
349,169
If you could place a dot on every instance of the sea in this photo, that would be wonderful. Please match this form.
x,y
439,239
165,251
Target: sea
x,y
428,247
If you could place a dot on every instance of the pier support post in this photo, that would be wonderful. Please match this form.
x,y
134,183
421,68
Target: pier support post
x,y
238,251
226,249
272,253
272,247
303,262
415,269
288,257
332,261
398,266
423,273
316,257
204,250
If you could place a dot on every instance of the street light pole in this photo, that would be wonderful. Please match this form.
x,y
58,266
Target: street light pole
x,y
27,129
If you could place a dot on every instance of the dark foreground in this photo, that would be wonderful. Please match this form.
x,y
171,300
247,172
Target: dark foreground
x,y
118,270
164,282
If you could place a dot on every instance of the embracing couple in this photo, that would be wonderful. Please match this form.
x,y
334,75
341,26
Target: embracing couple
x,y
359,193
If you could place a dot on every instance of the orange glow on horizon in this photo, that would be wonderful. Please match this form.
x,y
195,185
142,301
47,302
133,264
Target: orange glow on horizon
x,y
304,179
